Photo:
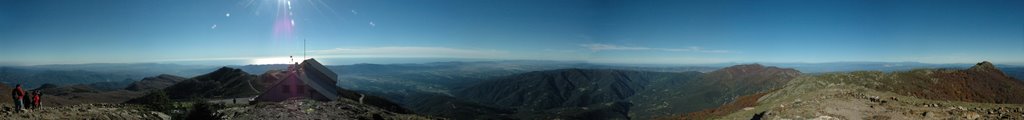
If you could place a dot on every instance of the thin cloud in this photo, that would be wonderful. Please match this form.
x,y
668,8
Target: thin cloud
x,y
600,47
605,47
354,12
661,60
405,51
214,26
694,49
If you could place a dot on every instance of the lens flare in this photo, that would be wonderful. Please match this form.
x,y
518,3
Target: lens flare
x,y
284,24
275,60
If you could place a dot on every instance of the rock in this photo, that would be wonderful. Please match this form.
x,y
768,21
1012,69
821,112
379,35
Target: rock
x,y
825,118
874,99
748,108
972,115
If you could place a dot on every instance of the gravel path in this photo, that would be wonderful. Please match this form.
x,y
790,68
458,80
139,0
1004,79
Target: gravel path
x,y
85,111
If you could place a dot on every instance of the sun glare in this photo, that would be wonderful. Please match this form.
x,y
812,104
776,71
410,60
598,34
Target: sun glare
x,y
264,61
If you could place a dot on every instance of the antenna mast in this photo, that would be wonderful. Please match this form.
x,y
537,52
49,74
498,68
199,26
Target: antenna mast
x,y
303,48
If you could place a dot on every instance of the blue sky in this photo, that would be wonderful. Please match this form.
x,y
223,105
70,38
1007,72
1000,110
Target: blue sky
x,y
610,31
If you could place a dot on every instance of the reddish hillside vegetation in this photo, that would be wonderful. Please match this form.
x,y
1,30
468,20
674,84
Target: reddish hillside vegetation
x,y
7,93
981,83
740,103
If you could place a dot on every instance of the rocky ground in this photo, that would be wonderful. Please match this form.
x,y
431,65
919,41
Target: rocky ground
x,y
811,99
292,109
84,111
307,109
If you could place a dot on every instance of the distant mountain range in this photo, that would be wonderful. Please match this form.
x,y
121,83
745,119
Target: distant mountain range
x,y
545,94
114,74
32,78
624,94
134,69
156,82
64,74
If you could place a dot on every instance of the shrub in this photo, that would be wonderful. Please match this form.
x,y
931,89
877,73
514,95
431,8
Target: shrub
x,y
156,100
202,110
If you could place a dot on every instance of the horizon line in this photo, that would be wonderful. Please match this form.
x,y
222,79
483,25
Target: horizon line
x,y
7,64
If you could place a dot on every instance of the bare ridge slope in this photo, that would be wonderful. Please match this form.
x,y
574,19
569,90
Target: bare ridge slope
x,y
980,92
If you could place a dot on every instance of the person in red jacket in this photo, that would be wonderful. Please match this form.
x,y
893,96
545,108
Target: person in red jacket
x,y
35,99
18,94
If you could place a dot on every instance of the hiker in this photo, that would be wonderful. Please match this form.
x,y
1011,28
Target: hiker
x,y
27,100
36,101
17,94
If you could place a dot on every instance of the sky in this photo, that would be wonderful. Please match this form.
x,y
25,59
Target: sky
x,y
34,32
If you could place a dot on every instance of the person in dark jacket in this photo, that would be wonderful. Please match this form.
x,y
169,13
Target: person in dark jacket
x,y
18,95
28,99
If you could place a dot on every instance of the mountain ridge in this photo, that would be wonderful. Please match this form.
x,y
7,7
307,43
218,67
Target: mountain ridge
x,y
225,82
981,91
645,94
156,82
